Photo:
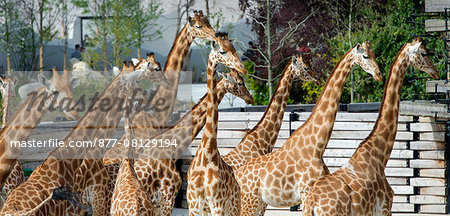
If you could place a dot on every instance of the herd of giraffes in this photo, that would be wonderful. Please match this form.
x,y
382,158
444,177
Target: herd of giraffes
x,y
144,181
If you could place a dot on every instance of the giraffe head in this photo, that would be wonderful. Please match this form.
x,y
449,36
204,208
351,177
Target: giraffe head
x,y
364,56
198,26
223,51
150,70
302,69
418,58
234,84
8,86
154,72
61,87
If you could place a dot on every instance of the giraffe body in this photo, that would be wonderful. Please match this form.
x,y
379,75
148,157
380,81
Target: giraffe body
x,y
285,176
360,187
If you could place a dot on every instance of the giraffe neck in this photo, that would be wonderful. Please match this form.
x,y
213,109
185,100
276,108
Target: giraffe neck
x,y
383,134
96,124
190,123
130,137
6,105
270,123
19,128
320,123
172,70
208,145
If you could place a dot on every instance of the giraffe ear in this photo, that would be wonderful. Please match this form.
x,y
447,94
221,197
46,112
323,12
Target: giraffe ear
x,y
75,82
135,61
294,60
225,76
359,49
116,70
43,81
214,45
415,48
15,80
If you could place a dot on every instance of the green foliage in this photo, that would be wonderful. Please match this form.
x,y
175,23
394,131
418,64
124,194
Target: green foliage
x,y
387,35
257,87
145,28
313,90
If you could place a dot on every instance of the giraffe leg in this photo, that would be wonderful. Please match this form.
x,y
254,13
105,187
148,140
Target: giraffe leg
x,y
196,201
169,193
170,190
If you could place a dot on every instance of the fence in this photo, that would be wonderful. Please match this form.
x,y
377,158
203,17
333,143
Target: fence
x,y
416,170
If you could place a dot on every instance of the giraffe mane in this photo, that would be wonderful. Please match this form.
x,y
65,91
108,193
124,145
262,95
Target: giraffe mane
x,y
271,99
385,92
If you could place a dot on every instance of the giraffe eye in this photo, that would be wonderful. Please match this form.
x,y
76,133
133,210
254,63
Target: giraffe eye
x,y
55,92
240,84
424,54
198,26
366,57
223,52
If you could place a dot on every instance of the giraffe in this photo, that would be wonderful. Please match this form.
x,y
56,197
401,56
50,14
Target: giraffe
x,y
154,172
87,179
211,183
360,186
17,175
130,197
156,169
284,177
261,139
29,114
96,186
197,27
60,167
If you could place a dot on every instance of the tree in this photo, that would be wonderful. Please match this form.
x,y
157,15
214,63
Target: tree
x,y
276,33
120,25
182,9
47,12
66,7
101,11
8,14
387,27
145,27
